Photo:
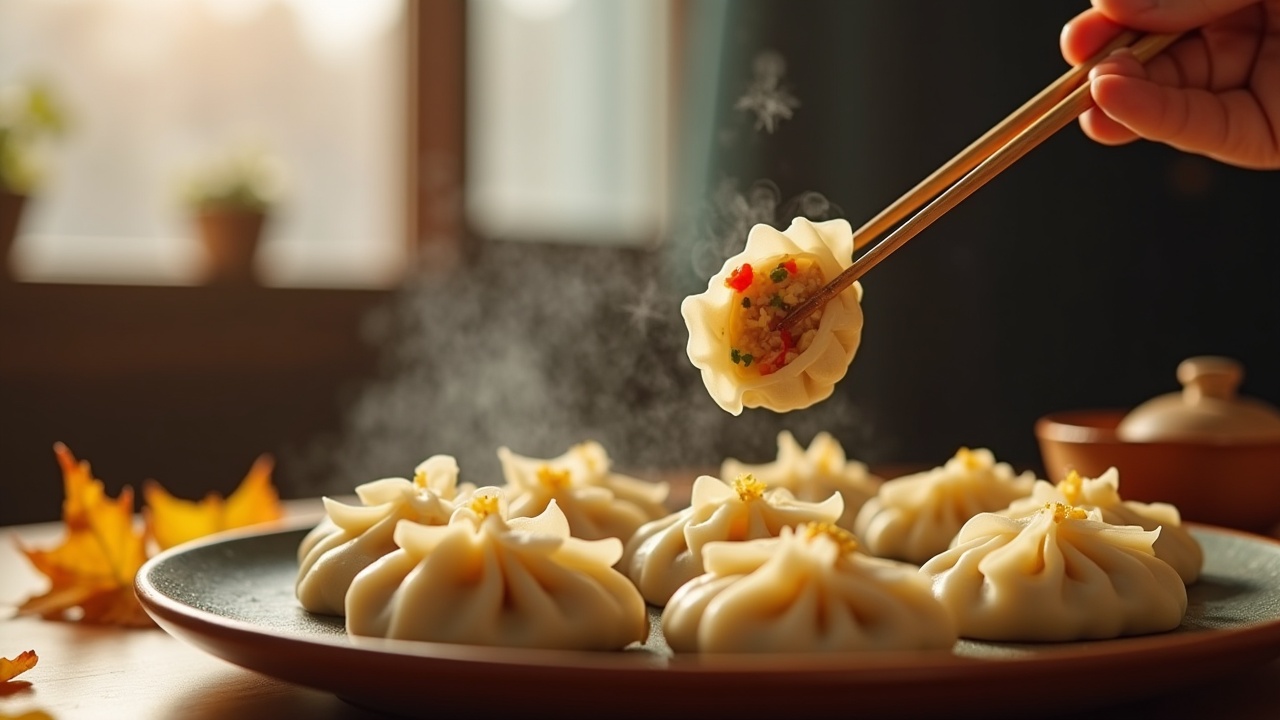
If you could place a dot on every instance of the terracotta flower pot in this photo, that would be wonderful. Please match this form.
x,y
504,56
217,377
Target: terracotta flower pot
x,y
230,238
10,218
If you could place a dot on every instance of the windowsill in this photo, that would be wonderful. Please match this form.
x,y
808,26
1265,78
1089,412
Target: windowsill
x,y
52,330
161,261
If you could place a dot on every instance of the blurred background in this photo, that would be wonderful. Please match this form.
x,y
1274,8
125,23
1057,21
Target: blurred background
x,y
355,234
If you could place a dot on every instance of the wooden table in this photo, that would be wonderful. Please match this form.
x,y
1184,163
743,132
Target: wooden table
x,y
102,672
88,671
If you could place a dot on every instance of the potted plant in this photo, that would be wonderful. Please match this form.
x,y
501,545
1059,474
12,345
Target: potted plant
x,y
29,118
231,201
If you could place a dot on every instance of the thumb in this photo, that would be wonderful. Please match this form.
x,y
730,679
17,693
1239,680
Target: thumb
x,y
1168,15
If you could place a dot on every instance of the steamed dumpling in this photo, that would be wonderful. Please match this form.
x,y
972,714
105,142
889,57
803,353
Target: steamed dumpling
x,y
732,340
598,503
489,579
808,590
813,474
667,553
351,537
1059,574
322,530
1174,545
915,517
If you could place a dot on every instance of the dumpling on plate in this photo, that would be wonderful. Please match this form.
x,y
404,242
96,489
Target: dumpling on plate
x,y
1174,545
490,579
351,537
813,474
915,517
733,337
667,553
1059,574
807,590
599,503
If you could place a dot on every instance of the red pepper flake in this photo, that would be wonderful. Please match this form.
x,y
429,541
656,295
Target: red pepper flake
x,y
741,278
790,265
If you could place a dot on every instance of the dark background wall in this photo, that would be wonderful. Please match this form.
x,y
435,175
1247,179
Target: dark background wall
x,y
1078,278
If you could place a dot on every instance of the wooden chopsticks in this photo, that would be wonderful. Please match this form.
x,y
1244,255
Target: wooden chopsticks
x,y
1043,115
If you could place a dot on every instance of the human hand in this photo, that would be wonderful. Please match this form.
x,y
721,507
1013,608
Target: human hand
x,y
1215,92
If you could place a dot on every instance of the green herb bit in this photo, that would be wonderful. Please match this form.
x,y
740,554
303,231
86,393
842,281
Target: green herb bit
x,y
736,356
746,302
778,274
776,301
746,360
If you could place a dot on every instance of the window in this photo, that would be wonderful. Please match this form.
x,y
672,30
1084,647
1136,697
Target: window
x,y
567,119
153,88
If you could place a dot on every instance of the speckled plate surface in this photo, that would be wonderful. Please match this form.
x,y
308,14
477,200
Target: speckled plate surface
x,y
233,597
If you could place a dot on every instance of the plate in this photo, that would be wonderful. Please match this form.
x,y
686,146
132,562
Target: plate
x,y
233,597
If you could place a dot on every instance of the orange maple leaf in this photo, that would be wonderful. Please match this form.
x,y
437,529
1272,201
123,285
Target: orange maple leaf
x,y
10,669
92,570
172,520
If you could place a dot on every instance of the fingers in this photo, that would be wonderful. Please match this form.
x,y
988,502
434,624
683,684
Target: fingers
x,y
1085,35
1088,32
1097,122
1199,96
1190,119
1230,126
1103,129
1167,15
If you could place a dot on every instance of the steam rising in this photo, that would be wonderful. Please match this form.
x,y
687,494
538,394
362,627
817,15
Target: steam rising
x,y
766,97
540,347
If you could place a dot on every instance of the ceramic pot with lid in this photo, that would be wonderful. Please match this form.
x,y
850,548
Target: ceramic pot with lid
x,y
1208,451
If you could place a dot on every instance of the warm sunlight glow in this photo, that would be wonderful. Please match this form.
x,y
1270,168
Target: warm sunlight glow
x,y
153,88
537,9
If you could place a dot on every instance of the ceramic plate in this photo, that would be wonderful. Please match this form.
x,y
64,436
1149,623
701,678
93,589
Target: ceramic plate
x,y
233,597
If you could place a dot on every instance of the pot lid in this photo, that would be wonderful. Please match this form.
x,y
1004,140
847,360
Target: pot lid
x,y
1207,409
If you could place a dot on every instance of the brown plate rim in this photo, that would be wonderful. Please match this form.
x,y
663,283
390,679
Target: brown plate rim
x,y
719,680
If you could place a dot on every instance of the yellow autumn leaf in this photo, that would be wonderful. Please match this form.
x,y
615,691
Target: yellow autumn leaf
x,y
172,521
91,573
10,669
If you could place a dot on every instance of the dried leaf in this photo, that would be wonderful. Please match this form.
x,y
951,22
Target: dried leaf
x,y
172,520
10,669
91,572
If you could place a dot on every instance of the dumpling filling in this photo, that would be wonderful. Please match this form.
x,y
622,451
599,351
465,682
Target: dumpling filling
x,y
763,296
734,338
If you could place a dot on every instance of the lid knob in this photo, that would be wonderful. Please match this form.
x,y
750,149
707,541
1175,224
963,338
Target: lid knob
x,y
1209,376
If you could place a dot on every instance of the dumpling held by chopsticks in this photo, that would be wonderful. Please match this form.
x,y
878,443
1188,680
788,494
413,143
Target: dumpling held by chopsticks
x,y
734,338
